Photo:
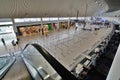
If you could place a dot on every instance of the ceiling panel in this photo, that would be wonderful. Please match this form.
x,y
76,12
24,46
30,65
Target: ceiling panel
x,y
113,5
48,8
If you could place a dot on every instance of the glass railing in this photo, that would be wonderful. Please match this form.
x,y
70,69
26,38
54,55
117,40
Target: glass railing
x,y
5,63
43,66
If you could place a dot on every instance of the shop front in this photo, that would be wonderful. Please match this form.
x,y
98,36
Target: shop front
x,y
55,26
72,24
29,30
64,25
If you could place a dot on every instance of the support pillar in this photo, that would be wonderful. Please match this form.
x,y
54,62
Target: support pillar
x,y
58,24
68,23
14,26
52,26
42,26
41,22
85,15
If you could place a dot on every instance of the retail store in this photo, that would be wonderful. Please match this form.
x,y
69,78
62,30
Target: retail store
x,y
29,30
64,25
55,26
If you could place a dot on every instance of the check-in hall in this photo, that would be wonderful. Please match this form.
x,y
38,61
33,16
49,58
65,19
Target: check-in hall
x,y
59,40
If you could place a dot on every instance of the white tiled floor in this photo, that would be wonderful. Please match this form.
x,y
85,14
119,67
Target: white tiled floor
x,y
65,45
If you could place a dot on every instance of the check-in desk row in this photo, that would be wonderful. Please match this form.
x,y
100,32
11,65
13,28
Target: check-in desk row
x,y
104,43
85,64
88,61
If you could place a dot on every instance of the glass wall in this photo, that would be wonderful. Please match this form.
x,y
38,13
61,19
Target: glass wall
x,y
5,23
46,19
30,30
63,18
19,20
34,58
54,19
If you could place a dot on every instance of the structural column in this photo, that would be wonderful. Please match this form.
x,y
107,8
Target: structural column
x,y
41,22
14,26
52,26
85,15
42,26
58,24
68,23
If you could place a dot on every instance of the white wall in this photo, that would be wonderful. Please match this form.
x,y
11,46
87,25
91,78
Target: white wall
x,y
114,73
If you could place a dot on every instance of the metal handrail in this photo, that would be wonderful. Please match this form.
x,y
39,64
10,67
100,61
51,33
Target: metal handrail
x,y
5,69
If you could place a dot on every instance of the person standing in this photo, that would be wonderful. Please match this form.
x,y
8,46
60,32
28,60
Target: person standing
x,y
42,31
3,41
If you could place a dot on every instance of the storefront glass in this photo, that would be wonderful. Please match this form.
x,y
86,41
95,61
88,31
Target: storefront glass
x,y
34,58
30,30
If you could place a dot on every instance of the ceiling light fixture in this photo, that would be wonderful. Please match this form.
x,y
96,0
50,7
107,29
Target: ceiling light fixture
x,y
96,2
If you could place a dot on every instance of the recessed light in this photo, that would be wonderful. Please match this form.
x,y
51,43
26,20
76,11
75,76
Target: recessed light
x,y
96,2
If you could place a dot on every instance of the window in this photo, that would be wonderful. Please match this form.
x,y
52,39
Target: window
x,y
17,20
63,18
5,23
73,18
53,19
45,19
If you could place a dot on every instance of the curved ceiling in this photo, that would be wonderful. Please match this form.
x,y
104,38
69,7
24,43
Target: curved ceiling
x,y
49,8
113,5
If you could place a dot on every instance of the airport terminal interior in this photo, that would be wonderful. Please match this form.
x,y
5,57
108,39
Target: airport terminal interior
x,y
59,39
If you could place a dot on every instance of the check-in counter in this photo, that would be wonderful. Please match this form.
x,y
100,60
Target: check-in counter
x,y
92,54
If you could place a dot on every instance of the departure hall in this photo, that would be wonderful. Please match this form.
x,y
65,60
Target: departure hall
x,y
59,39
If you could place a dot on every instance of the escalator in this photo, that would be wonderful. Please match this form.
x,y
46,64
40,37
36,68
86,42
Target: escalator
x,y
44,66
34,63
18,71
5,63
